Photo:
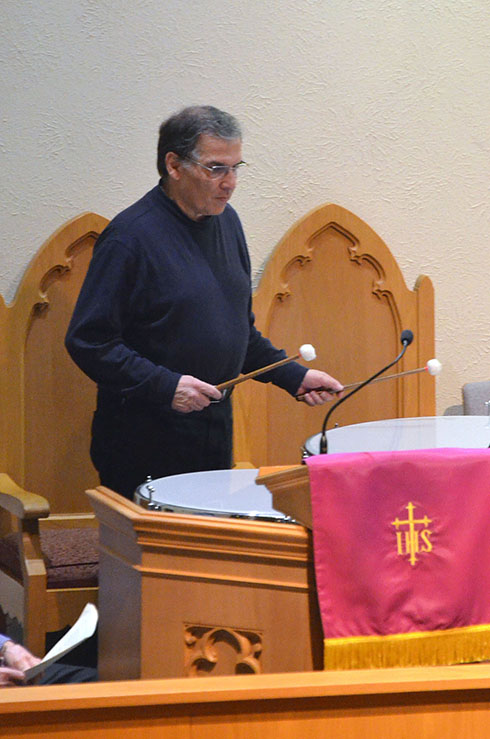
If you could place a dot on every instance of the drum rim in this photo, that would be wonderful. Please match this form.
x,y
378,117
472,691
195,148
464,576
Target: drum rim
x,y
213,512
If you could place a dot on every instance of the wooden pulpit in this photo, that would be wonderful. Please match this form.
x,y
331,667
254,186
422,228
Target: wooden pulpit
x,y
185,595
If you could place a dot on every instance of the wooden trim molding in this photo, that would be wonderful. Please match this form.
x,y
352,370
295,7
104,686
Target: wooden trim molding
x,y
412,702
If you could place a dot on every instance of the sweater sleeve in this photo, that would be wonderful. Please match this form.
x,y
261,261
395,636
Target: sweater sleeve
x,y
3,640
95,337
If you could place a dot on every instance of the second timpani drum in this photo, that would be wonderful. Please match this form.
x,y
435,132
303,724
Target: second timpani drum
x,y
426,432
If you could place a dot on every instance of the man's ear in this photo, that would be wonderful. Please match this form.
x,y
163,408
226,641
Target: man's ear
x,y
173,164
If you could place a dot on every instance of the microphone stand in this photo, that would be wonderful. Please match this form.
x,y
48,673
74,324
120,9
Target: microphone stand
x,y
406,339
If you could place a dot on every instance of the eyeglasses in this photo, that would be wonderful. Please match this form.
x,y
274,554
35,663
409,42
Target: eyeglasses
x,y
219,171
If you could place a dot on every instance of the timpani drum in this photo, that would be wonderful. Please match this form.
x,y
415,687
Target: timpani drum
x,y
426,432
223,493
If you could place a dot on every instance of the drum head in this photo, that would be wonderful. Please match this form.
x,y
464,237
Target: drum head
x,y
426,432
223,493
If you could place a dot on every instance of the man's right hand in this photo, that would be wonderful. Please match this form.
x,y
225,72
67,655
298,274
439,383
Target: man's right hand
x,y
192,394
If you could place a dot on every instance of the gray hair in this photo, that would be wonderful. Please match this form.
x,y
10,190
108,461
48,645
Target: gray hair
x,y
180,133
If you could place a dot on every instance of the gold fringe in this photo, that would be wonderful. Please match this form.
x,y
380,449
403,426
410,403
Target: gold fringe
x,y
419,648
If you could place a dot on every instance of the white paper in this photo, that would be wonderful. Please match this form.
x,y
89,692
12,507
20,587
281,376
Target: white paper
x,y
81,630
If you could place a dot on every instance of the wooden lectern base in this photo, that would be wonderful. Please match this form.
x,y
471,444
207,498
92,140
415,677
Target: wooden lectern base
x,y
185,595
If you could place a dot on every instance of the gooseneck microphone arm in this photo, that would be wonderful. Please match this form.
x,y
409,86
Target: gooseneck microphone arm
x,y
406,339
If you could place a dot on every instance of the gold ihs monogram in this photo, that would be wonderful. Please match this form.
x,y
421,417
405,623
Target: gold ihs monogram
x,y
412,535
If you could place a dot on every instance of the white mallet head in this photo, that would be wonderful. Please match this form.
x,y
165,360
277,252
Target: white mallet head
x,y
308,352
434,367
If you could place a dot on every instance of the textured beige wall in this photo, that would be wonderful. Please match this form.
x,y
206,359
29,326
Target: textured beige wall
x,y
379,105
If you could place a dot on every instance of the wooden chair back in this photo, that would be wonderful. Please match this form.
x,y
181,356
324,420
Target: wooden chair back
x,y
47,402
47,405
332,282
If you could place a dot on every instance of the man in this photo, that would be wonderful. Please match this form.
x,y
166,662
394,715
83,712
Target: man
x,y
15,659
165,314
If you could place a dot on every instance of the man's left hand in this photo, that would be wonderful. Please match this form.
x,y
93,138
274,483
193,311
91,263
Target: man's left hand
x,y
318,388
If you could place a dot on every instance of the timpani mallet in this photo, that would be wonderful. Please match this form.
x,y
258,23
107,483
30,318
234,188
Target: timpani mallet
x,y
306,352
433,367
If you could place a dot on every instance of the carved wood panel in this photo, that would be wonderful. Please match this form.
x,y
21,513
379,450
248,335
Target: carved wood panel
x,y
221,650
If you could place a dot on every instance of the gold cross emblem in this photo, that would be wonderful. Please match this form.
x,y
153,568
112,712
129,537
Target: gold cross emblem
x,y
412,540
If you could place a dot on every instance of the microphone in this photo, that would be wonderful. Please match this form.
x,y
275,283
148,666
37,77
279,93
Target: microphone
x,y
406,339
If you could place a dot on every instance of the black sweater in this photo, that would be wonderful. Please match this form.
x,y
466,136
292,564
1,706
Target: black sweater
x,y
165,296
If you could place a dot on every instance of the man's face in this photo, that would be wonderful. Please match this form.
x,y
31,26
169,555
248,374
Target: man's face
x,y
194,189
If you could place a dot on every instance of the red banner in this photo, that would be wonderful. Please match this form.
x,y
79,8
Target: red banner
x,y
402,547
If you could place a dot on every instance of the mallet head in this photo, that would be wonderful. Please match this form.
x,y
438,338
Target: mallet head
x,y
434,367
307,352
